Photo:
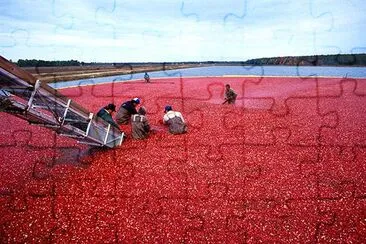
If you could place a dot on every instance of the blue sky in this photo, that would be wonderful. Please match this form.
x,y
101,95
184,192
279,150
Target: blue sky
x,y
172,30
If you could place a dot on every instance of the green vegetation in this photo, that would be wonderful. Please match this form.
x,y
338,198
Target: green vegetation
x,y
317,60
43,63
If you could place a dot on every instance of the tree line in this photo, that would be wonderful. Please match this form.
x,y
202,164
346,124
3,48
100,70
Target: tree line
x,y
44,63
315,60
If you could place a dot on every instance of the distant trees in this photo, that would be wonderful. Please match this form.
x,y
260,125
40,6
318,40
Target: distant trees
x,y
315,60
43,63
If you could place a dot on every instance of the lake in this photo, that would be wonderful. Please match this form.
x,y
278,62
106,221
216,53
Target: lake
x,y
300,71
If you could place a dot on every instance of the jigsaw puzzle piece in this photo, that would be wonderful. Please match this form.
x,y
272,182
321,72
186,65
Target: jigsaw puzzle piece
x,y
305,122
176,102
145,218
232,17
205,156
7,41
260,115
104,16
215,88
284,34
342,221
253,121
213,130
215,219
14,172
187,13
280,175
6,213
257,122
239,171
85,218
329,87
104,93
42,138
6,136
66,20
342,173
34,224
164,179
349,106
280,89
360,86
80,177
268,220
211,168
159,183
81,186
98,179
21,37
205,183
360,188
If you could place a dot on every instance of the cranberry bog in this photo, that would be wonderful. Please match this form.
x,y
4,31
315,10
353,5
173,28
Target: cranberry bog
x,y
286,163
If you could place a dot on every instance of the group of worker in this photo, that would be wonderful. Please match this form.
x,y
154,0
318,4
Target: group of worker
x,y
140,127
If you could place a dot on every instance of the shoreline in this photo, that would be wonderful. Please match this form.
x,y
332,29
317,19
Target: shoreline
x,y
70,73
196,77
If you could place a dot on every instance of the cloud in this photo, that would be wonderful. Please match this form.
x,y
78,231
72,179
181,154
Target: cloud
x,y
142,30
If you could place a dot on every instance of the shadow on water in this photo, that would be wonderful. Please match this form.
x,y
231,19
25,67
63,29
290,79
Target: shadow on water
x,y
77,157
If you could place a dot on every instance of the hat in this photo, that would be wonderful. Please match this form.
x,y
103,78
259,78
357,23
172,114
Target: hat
x,y
111,106
142,110
168,108
136,100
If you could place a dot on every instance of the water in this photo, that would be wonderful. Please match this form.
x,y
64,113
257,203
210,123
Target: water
x,y
301,71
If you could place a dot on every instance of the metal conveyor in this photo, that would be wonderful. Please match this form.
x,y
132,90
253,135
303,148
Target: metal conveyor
x,y
22,95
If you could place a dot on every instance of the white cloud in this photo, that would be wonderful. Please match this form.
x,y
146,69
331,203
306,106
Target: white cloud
x,y
143,30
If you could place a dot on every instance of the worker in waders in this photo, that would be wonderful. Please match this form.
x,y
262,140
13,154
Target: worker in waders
x,y
147,78
174,120
139,125
127,109
230,95
106,114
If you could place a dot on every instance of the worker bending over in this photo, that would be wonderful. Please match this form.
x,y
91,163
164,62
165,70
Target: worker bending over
x,y
139,125
174,120
106,114
230,95
127,109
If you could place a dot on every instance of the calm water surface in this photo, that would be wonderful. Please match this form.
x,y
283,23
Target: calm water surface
x,y
302,71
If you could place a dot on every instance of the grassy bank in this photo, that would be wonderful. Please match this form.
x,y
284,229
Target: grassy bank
x,y
56,74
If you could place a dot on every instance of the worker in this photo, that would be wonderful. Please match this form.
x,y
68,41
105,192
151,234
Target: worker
x,y
174,120
106,114
127,109
230,95
147,78
5,103
139,125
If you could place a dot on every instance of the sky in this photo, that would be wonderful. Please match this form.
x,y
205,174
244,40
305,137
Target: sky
x,y
173,31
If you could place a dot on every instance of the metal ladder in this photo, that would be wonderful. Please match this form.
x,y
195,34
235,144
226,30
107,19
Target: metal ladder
x,y
24,96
